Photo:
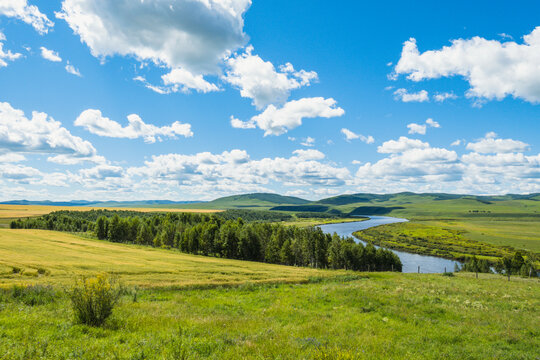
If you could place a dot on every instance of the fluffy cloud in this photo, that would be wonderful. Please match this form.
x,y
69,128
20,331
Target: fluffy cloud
x,y
277,121
190,34
73,70
94,122
258,79
421,128
41,134
309,141
30,14
405,96
490,144
494,69
6,55
184,81
440,97
237,170
50,55
403,144
349,135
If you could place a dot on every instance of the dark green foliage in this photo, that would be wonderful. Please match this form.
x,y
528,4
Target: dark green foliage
x,y
93,299
374,210
517,265
226,236
254,215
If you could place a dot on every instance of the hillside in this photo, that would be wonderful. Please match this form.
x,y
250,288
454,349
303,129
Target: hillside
x,y
255,201
64,256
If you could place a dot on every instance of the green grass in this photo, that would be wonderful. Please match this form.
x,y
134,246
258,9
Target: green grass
x,y
380,316
64,256
432,240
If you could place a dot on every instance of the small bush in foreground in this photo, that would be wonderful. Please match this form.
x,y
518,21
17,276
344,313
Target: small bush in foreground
x,y
93,299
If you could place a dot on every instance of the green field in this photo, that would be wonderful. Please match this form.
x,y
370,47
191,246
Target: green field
x,y
180,306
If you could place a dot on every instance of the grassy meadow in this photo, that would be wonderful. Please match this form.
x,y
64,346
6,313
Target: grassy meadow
x,y
367,316
181,306
64,256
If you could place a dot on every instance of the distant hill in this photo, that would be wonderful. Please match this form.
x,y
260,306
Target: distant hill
x,y
259,201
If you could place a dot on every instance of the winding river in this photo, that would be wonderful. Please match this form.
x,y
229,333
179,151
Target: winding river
x,y
428,264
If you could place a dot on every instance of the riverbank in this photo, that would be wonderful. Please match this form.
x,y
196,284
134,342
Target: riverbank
x,y
411,262
433,240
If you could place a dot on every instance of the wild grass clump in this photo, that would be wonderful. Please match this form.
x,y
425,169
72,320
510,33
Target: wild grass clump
x,y
17,270
448,273
30,295
93,299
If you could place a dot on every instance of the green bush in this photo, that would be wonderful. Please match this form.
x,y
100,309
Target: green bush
x,y
17,270
93,299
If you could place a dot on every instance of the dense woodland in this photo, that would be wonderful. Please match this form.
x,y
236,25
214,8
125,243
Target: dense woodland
x,y
224,235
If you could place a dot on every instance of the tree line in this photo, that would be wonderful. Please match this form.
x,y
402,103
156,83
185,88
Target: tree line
x,y
214,235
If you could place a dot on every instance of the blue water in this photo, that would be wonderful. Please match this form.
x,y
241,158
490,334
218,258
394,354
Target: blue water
x,y
428,264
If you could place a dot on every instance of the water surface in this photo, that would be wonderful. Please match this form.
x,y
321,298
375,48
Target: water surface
x,y
428,264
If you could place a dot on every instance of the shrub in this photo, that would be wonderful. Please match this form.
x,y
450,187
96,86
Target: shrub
x,y
17,270
93,299
449,274
42,271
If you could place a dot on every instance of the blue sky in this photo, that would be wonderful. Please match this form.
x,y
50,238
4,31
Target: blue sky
x,y
296,97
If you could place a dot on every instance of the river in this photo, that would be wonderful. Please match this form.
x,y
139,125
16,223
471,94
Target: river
x,y
428,264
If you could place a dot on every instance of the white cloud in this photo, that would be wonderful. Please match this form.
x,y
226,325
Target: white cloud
x,y
490,144
40,134
309,141
277,121
421,129
72,70
416,129
11,158
6,55
258,79
456,143
93,121
493,69
50,55
440,97
401,145
349,135
190,34
184,81
30,14
236,170
239,124
405,96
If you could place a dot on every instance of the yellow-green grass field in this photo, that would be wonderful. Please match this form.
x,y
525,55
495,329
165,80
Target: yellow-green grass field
x,y
64,256
194,307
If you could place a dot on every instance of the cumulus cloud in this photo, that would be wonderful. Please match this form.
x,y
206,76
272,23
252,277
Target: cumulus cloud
x,y
309,141
493,69
441,97
93,121
415,128
50,55
30,14
6,55
489,144
41,134
403,144
237,170
181,34
260,81
405,96
349,135
184,81
277,121
73,70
